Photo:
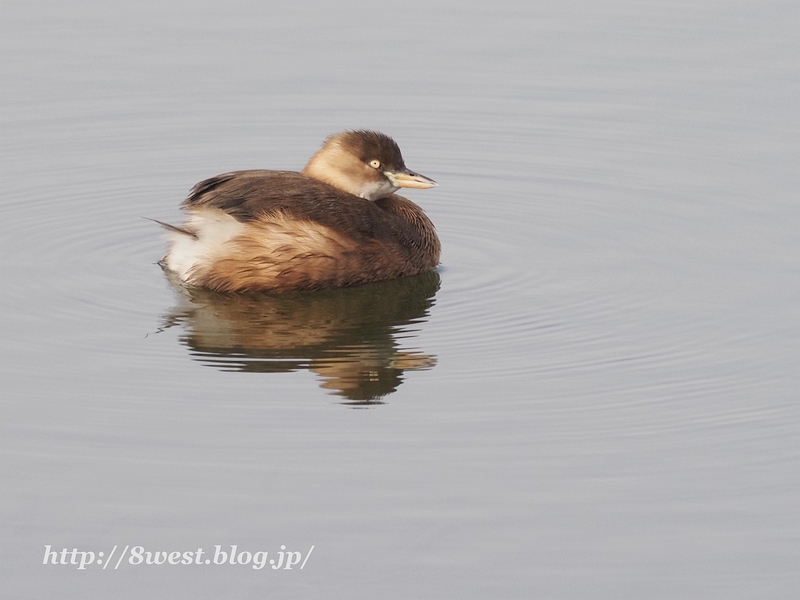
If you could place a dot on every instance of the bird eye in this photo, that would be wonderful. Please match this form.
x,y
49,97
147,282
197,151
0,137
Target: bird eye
x,y
375,163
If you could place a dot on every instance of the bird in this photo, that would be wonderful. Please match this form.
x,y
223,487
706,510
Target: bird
x,y
337,223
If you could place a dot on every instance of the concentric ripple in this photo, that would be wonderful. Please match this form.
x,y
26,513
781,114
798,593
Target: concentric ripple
x,y
555,280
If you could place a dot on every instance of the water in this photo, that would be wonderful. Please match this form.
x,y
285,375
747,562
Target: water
x,y
595,396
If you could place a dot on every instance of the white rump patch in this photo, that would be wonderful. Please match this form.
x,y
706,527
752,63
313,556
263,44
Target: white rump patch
x,y
214,230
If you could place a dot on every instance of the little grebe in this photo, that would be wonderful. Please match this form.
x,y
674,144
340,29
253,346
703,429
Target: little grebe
x,y
336,224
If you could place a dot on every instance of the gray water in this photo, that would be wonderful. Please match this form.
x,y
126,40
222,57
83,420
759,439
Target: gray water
x,y
595,396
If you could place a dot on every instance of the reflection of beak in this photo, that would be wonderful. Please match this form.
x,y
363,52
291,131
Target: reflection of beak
x,y
407,179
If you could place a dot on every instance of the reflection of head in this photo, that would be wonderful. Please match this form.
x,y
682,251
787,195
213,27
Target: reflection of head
x,y
347,335
365,377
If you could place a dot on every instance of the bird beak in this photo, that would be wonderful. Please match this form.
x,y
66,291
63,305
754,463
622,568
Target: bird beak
x,y
407,179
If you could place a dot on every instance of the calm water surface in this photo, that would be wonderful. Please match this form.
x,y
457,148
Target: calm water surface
x,y
594,397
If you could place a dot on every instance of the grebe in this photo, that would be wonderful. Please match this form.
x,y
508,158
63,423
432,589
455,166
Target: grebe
x,y
337,223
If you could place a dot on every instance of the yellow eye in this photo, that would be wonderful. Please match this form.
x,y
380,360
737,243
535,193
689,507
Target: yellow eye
x,y
375,163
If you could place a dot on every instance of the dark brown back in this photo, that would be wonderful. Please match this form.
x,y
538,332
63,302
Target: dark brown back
x,y
251,195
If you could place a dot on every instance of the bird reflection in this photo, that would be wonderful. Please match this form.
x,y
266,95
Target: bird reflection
x,y
347,336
